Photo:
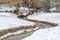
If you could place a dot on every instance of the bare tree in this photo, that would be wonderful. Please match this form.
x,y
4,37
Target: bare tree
x,y
57,7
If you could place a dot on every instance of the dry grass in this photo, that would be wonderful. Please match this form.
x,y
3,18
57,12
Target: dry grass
x,y
45,22
2,32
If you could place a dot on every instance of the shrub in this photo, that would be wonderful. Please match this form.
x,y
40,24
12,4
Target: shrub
x,y
20,16
6,11
32,11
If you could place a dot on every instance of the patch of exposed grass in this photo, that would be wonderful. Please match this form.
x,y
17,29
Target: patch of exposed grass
x,y
2,32
20,34
49,23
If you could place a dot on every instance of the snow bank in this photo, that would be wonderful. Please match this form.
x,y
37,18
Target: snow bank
x,y
27,30
10,22
9,34
45,34
48,17
17,32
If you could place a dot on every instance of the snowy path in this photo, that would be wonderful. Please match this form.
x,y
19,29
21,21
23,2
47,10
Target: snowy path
x,y
19,37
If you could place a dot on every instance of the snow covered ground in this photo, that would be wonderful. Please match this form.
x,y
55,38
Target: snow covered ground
x,y
48,17
52,33
53,9
45,34
9,20
8,14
